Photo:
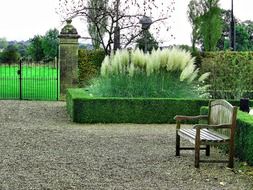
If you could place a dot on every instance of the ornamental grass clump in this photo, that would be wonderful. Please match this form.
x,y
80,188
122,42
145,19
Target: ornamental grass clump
x,y
167,73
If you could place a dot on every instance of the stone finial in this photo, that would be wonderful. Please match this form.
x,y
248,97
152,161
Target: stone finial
x,y
69,31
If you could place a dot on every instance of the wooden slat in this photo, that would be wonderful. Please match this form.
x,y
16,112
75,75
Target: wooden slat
x,y
205,135
210,135
224,137
183,133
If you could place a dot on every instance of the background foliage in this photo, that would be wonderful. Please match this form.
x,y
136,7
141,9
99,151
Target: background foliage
x,y
39,48
231,73
243,33
211,27
89,63
10,54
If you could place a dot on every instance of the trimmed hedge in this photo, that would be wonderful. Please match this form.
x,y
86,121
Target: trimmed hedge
x,y
89,63
243,136
86,109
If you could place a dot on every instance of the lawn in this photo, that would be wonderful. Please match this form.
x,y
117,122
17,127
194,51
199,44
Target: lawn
x,y
39,82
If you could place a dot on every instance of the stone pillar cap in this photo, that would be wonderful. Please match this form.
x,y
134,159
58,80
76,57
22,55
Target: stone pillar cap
x,y
69,31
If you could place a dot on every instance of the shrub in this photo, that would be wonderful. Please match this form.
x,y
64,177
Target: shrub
x,y
231,74
89,63
163,73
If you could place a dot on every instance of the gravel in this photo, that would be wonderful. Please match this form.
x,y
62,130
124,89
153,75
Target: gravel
x,y
42,149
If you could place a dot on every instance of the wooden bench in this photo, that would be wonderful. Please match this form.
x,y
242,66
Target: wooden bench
x,y
221,116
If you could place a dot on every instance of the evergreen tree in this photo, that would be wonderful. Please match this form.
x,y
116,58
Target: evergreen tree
x,y
205,17
148,40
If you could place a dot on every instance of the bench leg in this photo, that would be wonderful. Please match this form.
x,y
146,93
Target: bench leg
x,y
197,151
177,139
207,150
197,148
177,144
231,155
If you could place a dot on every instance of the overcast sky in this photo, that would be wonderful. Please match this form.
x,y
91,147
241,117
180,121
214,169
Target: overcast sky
x,y
22,19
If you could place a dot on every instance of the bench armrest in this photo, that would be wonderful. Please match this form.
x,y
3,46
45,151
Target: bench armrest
x,y
182,117
205,126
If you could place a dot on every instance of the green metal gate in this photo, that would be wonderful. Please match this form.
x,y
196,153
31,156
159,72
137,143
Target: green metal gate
x,y
30,80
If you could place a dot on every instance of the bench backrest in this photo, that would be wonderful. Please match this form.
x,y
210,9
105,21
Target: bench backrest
x,y
222,112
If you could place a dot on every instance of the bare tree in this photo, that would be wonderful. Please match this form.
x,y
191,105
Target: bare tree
x,y
96,7
123,18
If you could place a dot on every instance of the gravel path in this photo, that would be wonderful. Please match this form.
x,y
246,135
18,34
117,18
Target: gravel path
x,y
41,149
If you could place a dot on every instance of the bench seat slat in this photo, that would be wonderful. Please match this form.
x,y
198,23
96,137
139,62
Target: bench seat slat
x,y
211,135
222,136
205,135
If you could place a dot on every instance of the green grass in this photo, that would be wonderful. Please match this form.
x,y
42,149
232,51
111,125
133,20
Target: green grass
x,y
38,82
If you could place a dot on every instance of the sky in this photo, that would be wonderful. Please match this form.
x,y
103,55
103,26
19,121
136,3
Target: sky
x,y
21,20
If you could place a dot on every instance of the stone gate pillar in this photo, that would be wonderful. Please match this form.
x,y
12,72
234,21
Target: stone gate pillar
x,y
68,57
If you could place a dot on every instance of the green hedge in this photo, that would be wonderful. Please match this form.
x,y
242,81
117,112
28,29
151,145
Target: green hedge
x,y
86,109
89,63
231,73
243,136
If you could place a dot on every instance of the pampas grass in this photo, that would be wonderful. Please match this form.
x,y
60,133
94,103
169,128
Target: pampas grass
x,y
204,76
162,73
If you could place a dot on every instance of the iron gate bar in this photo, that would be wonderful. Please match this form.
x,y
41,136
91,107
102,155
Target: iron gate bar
x,y
57,79
20,79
